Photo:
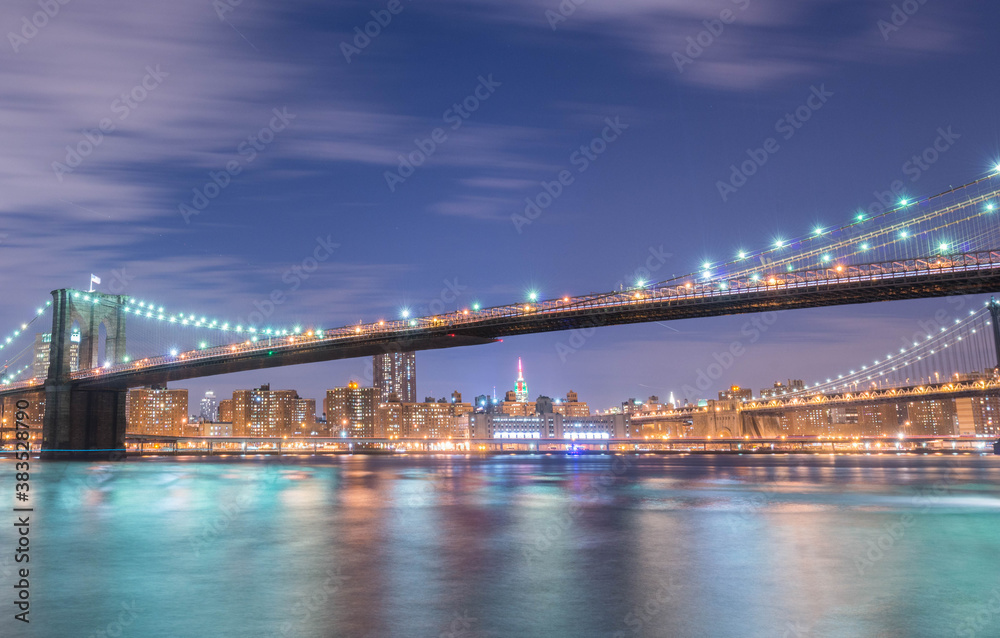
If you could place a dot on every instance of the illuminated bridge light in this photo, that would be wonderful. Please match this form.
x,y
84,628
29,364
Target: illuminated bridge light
x,y
864,246
779,243
904,234
741,255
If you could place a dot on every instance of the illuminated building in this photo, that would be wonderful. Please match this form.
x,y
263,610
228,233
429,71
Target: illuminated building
x,y
571,406
350,411
547,426
216,429
931,417
267,412
430,419
157,410
395,373
304,417
781,389
737,393
35,412
521,387
209,407
226,411
43,341
978,415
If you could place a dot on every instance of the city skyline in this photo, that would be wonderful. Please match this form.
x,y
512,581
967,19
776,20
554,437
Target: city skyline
x,y
521,134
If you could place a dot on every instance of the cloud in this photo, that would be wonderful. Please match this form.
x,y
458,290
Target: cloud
x,y
761,43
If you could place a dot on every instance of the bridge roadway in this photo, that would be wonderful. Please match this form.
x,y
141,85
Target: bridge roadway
x,y
960,274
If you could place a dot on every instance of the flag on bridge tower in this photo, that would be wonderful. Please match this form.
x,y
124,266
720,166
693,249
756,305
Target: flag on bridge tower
x,y
94,279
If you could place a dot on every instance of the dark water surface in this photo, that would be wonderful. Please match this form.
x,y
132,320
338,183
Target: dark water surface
x,y
513,546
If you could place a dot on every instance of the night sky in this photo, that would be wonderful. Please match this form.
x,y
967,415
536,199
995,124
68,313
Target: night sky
x,y
134,208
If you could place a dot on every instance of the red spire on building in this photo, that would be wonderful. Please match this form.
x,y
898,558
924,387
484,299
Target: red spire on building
x,y
521,388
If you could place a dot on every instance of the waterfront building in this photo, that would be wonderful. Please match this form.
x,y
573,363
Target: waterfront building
x,y
430,419
547,426
736,392
350,410
209,428
934,417
978,416
157,410
266,412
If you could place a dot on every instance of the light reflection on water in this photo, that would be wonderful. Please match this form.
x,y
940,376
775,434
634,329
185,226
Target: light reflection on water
x,y
372,546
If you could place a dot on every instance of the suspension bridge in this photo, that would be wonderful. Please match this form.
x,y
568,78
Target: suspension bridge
x,y
942,245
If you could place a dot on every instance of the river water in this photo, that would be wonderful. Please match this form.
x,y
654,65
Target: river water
x,y
548,546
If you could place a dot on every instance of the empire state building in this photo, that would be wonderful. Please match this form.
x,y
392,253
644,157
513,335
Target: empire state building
x,y
521,389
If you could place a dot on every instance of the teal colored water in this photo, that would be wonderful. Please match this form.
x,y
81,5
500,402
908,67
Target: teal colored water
x,y
364,546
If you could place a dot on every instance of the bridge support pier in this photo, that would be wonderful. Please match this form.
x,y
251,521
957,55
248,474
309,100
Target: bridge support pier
x,y
83,424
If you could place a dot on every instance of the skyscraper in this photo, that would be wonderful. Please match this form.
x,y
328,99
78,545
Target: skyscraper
x,y
43,340
210,407
395,373
521,389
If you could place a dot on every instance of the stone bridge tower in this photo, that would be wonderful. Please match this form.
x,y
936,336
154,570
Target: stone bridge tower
x,y
80,422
